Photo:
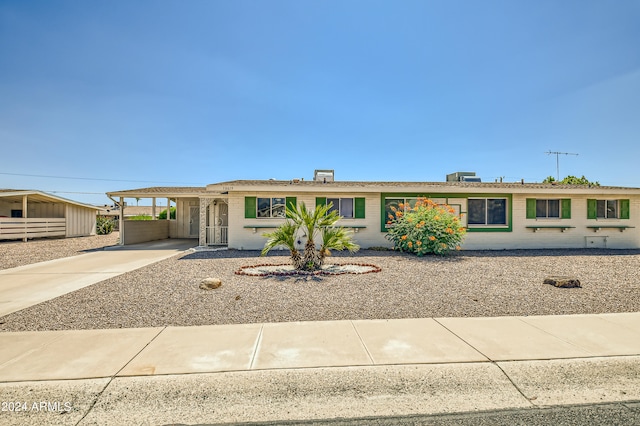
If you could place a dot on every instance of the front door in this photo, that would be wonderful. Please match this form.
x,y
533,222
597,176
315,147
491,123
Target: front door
x,y
194,221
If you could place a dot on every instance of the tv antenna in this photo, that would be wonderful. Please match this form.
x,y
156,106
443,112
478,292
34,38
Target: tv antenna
x,y
558,160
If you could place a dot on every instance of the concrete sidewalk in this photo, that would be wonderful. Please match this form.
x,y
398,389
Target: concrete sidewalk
x,y
29,285
306,370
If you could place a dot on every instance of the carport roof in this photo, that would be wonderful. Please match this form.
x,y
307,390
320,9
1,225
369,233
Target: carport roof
x,y
160,192
35,196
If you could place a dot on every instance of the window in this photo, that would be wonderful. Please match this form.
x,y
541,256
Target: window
x,y
348,208
608,209
267,207
394,204
486,211
548,209
344,206
271,207
391,205
16,213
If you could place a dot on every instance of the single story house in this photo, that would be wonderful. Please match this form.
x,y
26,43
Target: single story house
x,y
26,214
497,215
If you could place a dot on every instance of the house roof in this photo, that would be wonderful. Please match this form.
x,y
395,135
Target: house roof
x,y
424,187
291,186
35,196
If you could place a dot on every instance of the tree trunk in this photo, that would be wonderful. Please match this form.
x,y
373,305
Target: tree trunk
x,y
311,258
322,257
296,260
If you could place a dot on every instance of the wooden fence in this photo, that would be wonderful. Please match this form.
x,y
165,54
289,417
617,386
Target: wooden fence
x,y
20,228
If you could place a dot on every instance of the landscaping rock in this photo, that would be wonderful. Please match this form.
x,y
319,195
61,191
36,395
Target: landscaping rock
x,y
210,283
563,282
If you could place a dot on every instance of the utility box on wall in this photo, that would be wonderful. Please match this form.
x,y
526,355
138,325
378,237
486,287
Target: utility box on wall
x,y
596,242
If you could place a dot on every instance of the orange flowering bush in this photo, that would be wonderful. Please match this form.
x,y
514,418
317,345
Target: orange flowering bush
x,y
426,228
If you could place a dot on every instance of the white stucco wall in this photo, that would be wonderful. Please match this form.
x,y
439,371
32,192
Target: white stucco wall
x,y
578,237
520,237
248,239
141,231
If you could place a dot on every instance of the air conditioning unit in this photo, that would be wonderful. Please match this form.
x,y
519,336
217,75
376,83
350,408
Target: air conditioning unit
x,y
463,177
323,175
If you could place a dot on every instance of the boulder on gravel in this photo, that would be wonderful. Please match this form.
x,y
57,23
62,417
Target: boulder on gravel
x,y
563,282
210,283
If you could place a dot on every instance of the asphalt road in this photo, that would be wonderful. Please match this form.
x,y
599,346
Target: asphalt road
x,y
619,414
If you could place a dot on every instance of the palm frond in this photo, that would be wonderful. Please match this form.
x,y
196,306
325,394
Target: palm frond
x,y
338,238
285,236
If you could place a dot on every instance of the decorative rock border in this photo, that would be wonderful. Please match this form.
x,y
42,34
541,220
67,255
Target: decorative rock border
x,y
285,269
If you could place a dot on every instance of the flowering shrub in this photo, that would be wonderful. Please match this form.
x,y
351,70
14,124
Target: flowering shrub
x,y
425,228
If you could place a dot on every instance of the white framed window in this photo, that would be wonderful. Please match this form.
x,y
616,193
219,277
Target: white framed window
x,y
270,207
344,206
607,209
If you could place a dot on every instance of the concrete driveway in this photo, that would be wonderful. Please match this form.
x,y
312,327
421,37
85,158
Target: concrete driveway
x,y
29,285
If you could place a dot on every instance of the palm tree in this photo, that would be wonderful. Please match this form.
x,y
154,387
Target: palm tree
x,y
320,220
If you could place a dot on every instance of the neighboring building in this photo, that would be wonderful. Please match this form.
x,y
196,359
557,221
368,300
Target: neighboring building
x,y
26,214
497,215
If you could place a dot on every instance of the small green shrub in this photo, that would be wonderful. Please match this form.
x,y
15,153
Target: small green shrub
x,y
163,213
104,225
425,228
140,217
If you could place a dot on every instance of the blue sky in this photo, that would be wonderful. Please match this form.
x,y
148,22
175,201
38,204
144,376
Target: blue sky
x,y
129,94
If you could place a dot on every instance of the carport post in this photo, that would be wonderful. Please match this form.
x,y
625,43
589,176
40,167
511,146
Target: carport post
x,y
153,209
24,216
121,220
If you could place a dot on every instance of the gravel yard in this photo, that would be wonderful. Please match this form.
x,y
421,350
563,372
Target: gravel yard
x,y
19,253
468,283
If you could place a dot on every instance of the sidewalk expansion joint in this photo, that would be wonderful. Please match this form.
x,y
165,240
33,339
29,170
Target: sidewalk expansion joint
x,y
515,386
362,343
99,395
256,348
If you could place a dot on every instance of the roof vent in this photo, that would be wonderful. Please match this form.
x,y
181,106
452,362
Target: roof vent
x,y
323,175
463,177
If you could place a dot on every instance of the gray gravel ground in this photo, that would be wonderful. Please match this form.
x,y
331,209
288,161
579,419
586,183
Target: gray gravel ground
x,y
466,284
19,253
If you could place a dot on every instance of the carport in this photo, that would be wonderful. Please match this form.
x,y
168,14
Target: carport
x,y
26,214
185,223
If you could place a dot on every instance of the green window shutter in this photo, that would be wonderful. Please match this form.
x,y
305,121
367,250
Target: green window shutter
x,y
624,209
592,209
359,208
321,201
531,208
291,202
250,207
566,208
